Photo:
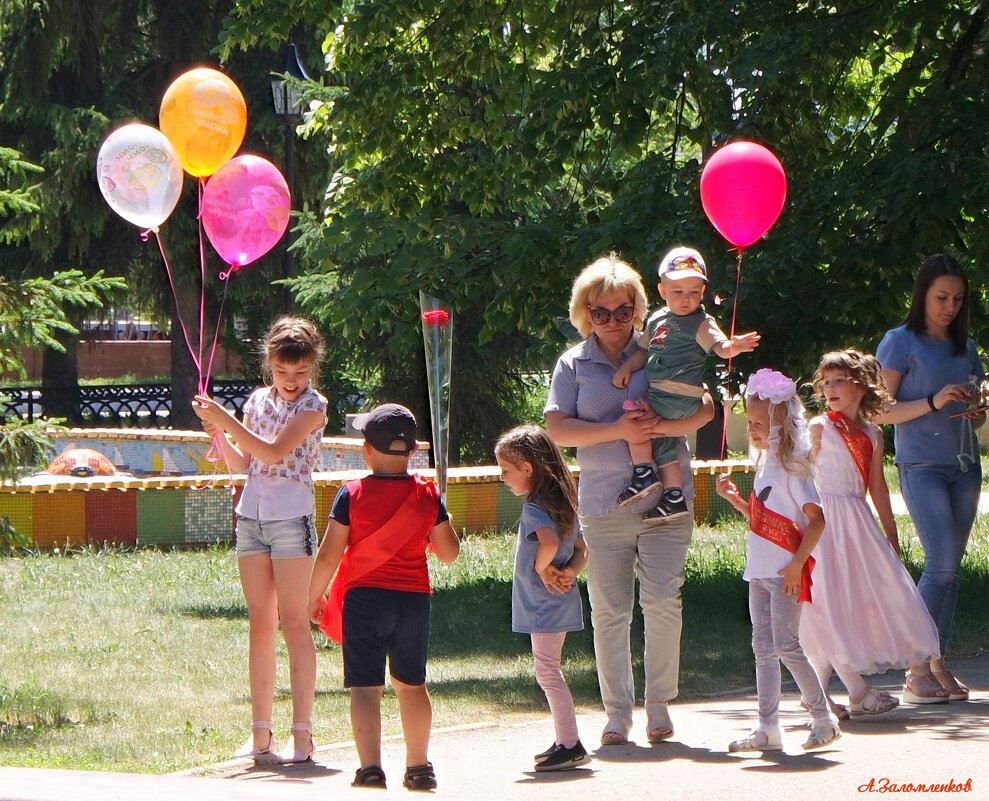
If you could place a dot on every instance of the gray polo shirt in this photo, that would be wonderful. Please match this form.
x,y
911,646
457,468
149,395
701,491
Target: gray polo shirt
x,y
581,387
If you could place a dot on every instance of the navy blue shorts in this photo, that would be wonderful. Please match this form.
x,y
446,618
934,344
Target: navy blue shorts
x,y
379,623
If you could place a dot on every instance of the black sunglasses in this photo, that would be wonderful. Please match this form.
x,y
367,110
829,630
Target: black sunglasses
x,y
621,315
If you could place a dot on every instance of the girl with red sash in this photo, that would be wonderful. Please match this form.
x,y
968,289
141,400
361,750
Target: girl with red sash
x,y
785,523
867,616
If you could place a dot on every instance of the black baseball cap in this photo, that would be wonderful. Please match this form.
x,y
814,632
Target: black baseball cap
x,y
386,423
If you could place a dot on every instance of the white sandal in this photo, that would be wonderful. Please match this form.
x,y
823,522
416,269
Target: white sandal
x,y
616,731
822,733
289,755
261,756
757,740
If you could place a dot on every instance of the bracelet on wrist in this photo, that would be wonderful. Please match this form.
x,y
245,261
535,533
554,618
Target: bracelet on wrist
x,y
930,402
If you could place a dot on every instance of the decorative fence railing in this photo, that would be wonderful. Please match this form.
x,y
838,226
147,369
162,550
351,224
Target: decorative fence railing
x,y
116,406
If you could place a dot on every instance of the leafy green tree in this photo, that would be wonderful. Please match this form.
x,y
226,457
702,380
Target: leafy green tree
x,y
485,151
32,311
70,72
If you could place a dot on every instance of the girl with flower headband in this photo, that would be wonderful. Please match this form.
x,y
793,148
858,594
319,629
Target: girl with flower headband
x,y
867,615
785,523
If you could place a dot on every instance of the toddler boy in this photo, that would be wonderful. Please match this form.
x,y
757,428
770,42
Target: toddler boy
x,y
673,348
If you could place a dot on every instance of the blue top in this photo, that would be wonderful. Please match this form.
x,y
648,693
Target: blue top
x,y
534,608
925,366
581,388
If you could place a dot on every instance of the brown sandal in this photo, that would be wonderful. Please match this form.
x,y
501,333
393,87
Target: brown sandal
x,y
956,690
659,726
923,688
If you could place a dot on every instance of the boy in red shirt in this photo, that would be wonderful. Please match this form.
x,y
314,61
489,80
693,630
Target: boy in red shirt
x,y
379,529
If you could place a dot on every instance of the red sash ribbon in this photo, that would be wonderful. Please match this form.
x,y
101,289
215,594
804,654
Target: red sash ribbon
x,y
783,532
857,441
417,510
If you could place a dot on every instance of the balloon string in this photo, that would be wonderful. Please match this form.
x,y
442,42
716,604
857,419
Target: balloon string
x,y
203,378
178,309
216,332
214,455
731,338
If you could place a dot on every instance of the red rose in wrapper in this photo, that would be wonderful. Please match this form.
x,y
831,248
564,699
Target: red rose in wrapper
x,y
434,318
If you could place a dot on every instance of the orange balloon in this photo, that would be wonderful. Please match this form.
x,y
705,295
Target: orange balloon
x,y
204,116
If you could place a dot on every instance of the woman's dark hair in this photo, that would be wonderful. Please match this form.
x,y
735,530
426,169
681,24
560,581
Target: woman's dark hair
x,y
934,267
553,487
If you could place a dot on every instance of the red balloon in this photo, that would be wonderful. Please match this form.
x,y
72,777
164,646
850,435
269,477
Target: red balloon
x,y
743,188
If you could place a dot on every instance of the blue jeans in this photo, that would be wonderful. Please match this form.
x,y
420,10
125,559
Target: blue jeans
x,y
942,501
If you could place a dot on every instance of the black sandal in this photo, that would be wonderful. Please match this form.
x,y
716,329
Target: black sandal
x,y
420,777
371,776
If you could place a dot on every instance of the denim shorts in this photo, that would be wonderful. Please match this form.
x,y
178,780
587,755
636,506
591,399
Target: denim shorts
x,y
279,539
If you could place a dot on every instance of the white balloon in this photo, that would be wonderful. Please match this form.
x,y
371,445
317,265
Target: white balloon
x,y
139,174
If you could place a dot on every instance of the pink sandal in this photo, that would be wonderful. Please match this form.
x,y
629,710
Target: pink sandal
x,y
923,688
956,690
291,755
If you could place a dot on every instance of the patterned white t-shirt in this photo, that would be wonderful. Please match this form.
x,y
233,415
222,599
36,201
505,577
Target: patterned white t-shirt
x,y
282,490
266,414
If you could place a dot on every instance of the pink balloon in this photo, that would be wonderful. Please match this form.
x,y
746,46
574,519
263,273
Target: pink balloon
x,y
245,209
743,188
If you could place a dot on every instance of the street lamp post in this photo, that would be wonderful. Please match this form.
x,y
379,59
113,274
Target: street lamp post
x,y
287,99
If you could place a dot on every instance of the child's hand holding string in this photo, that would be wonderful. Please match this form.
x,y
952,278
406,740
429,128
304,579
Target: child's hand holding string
x,y
209,411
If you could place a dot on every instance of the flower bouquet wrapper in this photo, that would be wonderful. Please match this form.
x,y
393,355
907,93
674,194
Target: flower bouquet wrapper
x,y
437,340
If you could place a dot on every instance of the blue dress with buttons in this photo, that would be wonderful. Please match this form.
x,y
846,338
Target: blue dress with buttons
x,y
536,610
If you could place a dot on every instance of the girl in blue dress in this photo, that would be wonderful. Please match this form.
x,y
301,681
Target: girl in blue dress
x,y
549,556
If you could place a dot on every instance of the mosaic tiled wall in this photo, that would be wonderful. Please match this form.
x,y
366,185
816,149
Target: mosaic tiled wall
x,y
55,511
183,453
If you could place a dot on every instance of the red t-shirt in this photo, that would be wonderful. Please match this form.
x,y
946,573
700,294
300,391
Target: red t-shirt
x,y
373,504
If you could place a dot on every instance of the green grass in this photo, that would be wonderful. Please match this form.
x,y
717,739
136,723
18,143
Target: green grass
x,y
135,661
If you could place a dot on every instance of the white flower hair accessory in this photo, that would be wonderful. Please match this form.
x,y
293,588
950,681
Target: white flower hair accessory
x,y
770,385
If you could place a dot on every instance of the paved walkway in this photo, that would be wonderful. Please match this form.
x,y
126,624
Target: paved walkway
x,y
931,744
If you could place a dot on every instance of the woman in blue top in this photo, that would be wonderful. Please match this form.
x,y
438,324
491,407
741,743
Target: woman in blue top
x,y
584,410
930,366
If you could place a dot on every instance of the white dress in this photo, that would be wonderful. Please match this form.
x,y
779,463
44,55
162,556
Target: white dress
x,y
866,613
